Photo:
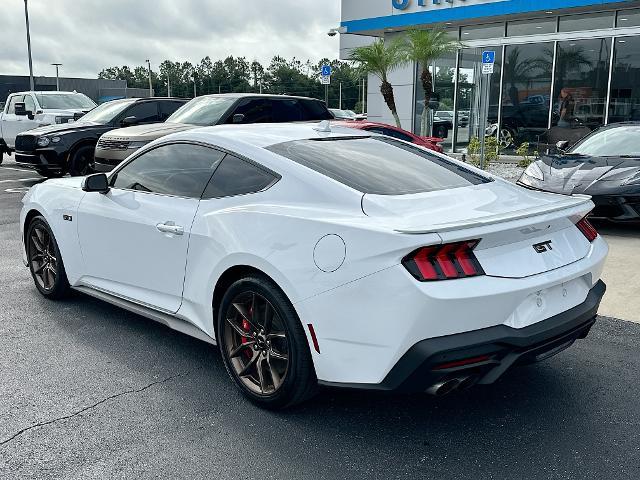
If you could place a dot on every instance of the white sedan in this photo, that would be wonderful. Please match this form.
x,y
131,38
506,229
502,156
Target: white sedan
x,y
317,255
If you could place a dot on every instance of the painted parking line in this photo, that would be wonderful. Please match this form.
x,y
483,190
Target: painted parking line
x,y
20,179
17,190
16,169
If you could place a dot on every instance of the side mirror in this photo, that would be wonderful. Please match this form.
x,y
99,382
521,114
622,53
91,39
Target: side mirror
x,y
562,145
129,121
238,118
21,109
97,182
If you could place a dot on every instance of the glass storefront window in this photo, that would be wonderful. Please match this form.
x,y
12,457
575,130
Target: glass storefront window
x,y
441,101
475,32
531,27
585,21
469,78
526,94
625,81
628,18
580,90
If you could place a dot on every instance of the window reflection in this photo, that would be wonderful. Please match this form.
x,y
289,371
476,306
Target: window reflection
x,y
625,82
580,90
526,93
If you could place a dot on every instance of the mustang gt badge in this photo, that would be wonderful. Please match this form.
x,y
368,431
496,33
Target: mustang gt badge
x,y
542,246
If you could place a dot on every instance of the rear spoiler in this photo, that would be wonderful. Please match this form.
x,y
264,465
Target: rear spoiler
x,y
568,202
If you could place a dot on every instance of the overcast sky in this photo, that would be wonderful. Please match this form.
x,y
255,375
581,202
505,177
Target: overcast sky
x,y
88,35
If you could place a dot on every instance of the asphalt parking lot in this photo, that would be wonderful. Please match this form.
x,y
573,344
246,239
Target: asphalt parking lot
x,y
91,391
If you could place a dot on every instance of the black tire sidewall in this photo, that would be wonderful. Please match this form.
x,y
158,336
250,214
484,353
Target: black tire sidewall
x,y
61,284
300,368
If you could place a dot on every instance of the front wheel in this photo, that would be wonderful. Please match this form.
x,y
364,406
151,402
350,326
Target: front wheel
x,y
45,261
263,345
441,132
81,161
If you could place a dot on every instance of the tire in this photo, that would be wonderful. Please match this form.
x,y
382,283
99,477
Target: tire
x,y
50,174
1,156
43,254
81,161
507,138
244,306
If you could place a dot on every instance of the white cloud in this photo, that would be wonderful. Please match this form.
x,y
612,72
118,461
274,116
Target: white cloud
x,y
89,35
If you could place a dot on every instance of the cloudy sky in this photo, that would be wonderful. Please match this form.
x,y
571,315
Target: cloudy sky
x,y
88,35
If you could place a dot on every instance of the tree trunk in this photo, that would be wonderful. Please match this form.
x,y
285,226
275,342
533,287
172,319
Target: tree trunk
x,y
427,86
387,93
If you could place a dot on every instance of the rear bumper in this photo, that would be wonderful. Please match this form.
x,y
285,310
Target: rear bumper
x,y
497,349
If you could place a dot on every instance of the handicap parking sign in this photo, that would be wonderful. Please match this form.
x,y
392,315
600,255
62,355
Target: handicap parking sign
x,y
326,70
488,56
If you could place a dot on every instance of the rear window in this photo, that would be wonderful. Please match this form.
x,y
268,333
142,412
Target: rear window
x,y
377,165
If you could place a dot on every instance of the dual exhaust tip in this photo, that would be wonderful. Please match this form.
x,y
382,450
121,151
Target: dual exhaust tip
x,y
449,385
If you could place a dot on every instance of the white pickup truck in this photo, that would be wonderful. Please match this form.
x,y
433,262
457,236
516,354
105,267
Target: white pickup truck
x,y
26,110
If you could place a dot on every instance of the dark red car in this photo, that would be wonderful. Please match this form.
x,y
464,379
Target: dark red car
x,y
432,143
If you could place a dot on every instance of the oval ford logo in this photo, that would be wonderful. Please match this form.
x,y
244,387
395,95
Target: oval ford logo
x,y
400,4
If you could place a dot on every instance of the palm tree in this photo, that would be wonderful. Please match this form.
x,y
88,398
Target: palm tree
x,y
424,47
518,72
380,59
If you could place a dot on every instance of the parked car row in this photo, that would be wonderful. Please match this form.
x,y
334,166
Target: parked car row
x,y
109,133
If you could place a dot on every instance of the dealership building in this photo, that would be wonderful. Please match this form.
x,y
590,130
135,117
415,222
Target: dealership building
x,y
588,51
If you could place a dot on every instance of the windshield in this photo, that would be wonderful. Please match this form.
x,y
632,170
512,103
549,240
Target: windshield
x,y
202,111
106,112
64,101
610,142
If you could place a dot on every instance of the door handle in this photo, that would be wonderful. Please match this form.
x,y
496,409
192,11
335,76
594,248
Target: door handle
x,y
170,228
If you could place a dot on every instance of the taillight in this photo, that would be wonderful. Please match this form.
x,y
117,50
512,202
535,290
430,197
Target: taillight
x,y
587,229
444,262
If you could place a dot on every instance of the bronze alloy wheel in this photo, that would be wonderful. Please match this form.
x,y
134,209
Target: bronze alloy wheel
x,y
42,256
256,343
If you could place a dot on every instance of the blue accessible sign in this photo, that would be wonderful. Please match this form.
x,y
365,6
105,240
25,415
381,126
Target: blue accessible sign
x,y
488,56
326,70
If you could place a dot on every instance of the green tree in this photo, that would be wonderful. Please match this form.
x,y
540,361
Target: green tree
x,y
380,59
424,47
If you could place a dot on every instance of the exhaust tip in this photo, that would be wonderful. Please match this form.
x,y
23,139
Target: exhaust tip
x,y
443,388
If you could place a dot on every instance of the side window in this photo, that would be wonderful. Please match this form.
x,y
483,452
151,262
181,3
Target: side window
x,y
235,176
287,111
29,104
179,169
167,109
11,109
256,110
145,112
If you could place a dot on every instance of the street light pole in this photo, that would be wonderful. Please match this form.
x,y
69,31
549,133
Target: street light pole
x,y
26,17
57,65
150,83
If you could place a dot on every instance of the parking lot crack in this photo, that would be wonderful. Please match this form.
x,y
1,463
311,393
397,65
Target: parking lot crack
x,y
91,407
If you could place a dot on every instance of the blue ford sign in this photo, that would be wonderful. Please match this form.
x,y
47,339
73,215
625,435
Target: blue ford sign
x,y
400,4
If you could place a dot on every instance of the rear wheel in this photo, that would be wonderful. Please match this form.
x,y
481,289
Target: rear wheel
x,y
263,344
81,161
507,138
441,131
45,261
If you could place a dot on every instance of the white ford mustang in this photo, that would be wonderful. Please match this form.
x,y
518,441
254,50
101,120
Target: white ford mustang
x,y
317,256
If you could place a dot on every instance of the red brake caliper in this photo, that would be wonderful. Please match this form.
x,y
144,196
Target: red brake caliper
x,y
247,328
